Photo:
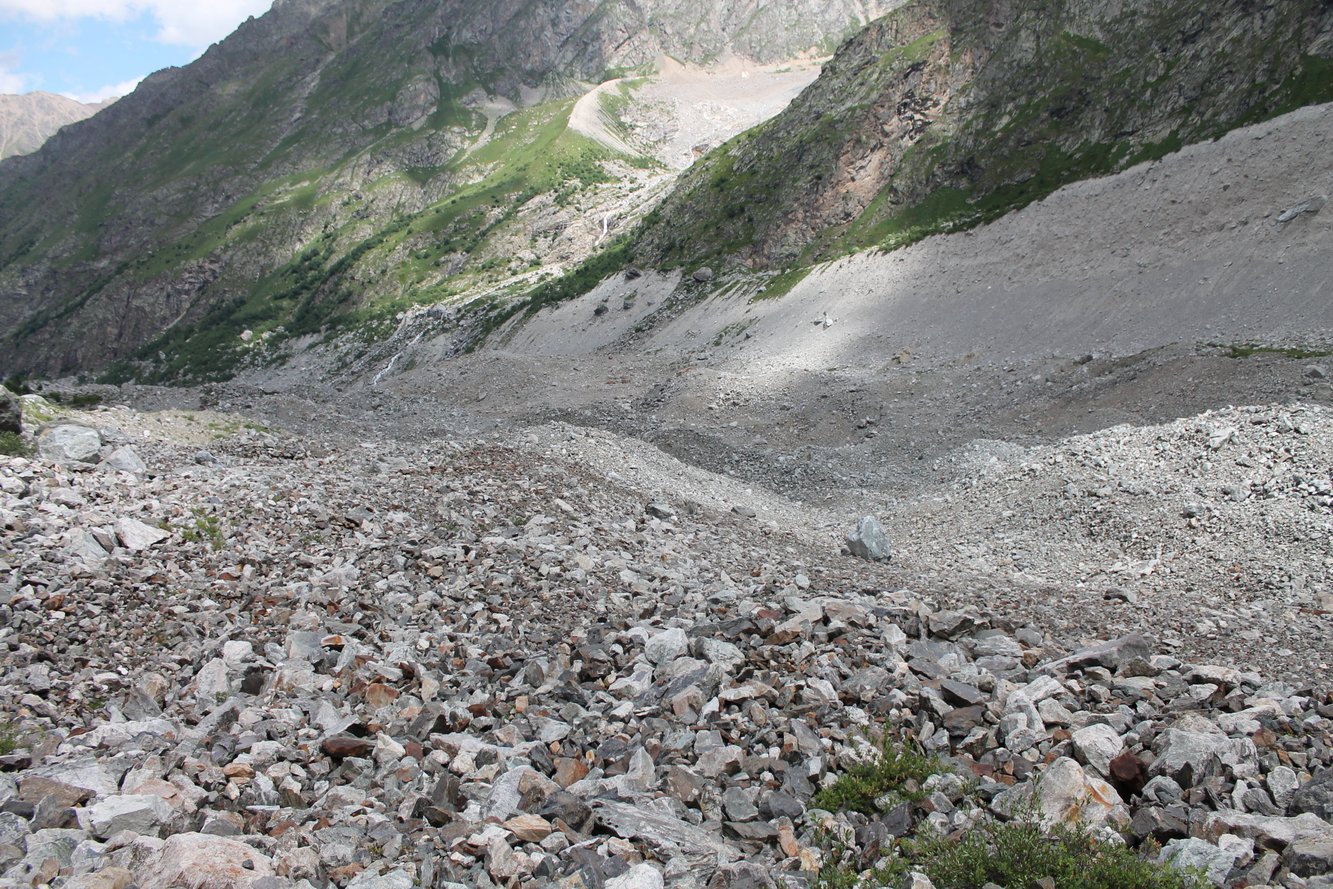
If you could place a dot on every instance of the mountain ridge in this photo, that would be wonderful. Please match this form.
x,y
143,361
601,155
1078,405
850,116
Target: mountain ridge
x,y
323,131
390,162
913,128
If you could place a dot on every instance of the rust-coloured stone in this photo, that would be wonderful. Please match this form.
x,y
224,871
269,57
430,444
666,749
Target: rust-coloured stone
x,y
1128,775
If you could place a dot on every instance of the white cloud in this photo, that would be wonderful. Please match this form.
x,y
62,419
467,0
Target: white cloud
x,y
12,82
194,23
115,90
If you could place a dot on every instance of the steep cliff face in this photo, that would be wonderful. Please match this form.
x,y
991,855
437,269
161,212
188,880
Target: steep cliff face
x,y
27,121
947,113
332,155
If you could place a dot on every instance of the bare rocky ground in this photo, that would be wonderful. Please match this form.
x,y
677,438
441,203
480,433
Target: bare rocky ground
x,y
241,656
574,609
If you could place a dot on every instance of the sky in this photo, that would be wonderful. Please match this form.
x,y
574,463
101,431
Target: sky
x,y
91,50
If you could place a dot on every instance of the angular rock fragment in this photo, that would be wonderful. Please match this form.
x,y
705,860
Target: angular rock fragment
x,y
69,443
869,541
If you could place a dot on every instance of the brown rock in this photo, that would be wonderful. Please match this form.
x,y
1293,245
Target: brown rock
x,y
529,828
343,746
380,695
570,770
787,839
1128,775
35,789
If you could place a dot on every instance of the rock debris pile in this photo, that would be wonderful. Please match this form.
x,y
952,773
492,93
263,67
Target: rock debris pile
x,y
1213,532
280,664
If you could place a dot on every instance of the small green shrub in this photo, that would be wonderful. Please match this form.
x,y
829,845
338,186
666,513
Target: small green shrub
x,y
1015,855
9,737
206,528
13,445
18,384
896,771
1249,350
838,871
75,399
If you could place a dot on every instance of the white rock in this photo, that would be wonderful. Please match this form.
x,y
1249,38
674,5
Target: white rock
x,y
143,814
136,536
1283,783
1187,755
640,777
237,653
643,876
196,861
101,778
1069,794
83,545
211,683
503,862
1054,713
387,750
370,880
1194,852
124,459
1041,688
1270,832
869,541
1096,745
66,442
717,651
115,734
666,646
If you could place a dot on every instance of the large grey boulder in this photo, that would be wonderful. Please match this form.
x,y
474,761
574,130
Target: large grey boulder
x,y
142,813
66,442
666,646
1111,654
1192,852
1188,756
1315,797
192,859
11,412
1310,856
869,541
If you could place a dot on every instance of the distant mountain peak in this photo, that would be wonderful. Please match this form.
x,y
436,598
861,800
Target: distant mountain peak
x,y
28,120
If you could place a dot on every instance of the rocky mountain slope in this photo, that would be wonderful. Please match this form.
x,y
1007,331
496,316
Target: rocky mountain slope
x,y
335,156
27,121
945,114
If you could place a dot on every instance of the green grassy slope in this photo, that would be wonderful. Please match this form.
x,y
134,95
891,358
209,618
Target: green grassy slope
x,y
319,166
